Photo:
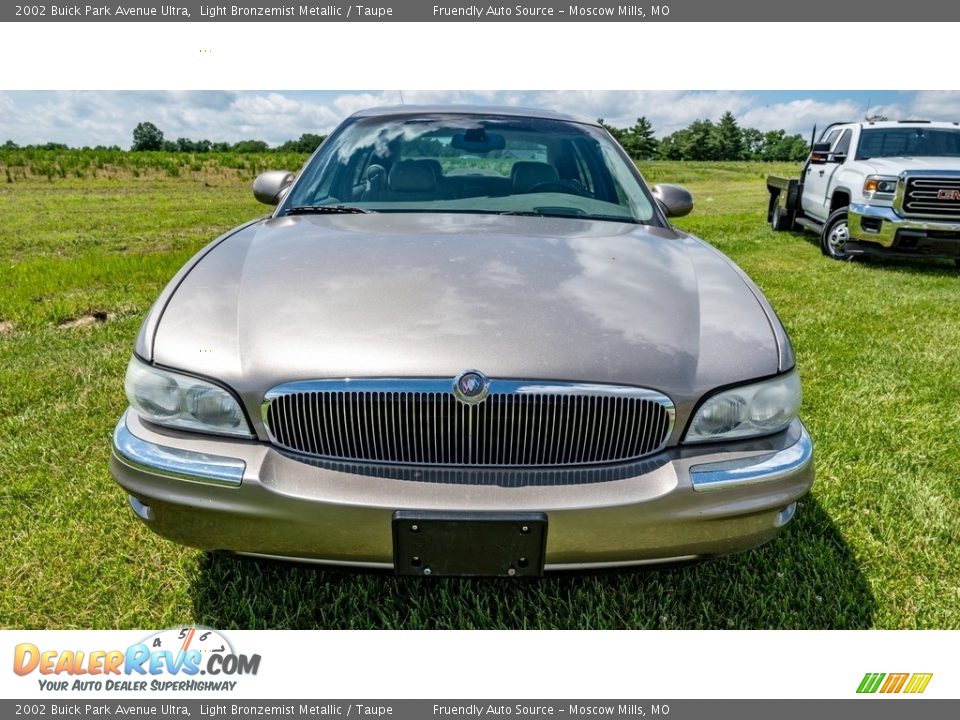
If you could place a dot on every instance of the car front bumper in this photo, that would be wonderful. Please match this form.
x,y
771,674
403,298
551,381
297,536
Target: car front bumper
x,y
876,228
245,497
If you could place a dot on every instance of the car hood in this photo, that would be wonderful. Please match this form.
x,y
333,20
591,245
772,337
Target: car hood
x,y
430,295
896,165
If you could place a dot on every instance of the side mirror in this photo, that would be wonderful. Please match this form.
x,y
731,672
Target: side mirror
x,y
270,186
675,201
819,153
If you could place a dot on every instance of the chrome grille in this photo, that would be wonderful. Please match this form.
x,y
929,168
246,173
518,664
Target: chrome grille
x,y
420,422
931,197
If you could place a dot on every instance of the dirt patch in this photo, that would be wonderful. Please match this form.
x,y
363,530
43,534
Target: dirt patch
x,y
6,327
94,318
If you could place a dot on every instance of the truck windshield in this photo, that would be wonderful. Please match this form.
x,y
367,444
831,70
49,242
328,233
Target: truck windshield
x,y
909,142
450,163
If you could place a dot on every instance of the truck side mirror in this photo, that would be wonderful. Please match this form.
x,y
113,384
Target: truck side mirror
x,y
820,153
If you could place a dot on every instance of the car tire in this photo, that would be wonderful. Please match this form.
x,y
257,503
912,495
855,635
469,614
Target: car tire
x,y
779,218
835,235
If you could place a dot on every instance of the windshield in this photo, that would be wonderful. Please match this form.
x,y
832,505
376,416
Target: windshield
x,y
909,142
473,164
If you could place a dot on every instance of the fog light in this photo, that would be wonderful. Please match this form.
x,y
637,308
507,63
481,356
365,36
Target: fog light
x,y
871,225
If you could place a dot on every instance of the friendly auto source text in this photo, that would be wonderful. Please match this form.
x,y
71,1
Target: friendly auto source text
x,y
633,709
520,11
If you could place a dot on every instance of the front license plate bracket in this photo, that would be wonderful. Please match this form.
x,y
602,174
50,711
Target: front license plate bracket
x,y
440,544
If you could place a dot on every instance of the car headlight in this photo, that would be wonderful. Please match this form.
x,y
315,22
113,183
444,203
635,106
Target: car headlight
x,y
879,185
747,411
183,402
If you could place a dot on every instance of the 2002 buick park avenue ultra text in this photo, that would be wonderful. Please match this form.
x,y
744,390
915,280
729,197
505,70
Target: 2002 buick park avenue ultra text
x,y
466,342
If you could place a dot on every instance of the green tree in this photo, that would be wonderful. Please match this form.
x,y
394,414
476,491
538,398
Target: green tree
x,y
772,145
307,143
752,143
700,142
615,132
728,138
250,146
672,146
147,136
10,145
796,148
643,143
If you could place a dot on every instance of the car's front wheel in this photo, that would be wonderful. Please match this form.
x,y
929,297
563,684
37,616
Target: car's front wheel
x,y
835,236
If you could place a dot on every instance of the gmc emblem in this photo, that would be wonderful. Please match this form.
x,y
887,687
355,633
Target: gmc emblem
x,y
948,194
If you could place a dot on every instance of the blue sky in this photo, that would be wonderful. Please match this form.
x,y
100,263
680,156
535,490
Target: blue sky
x,y
108,117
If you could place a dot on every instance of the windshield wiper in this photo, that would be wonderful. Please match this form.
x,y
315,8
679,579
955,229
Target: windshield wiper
x,y
325,210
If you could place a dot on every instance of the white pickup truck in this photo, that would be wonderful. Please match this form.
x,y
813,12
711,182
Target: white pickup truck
x,y
877,188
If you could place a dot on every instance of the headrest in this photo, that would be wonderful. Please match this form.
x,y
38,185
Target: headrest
x,y
434,165
528,174
412,176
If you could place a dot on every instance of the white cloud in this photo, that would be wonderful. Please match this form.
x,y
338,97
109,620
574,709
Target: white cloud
x,y
91,118
799,116
937,105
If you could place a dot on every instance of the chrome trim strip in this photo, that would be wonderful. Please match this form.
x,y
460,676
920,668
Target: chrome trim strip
x,y
561,567
549,567
753,470
443,385
319,561
173,462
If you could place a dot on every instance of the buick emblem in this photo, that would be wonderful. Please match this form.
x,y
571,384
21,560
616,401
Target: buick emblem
x,y
948,194
471,386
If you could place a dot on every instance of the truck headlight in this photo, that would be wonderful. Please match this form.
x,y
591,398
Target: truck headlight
x,y
748,411
183,402
879,185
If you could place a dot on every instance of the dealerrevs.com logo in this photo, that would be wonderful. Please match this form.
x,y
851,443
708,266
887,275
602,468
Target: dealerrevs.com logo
x,y
888,683
168,660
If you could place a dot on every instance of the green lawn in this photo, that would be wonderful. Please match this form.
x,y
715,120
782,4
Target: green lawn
x,y
877,543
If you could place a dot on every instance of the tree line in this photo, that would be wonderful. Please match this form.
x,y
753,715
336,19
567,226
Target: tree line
x,y
707,140
147,136
700,140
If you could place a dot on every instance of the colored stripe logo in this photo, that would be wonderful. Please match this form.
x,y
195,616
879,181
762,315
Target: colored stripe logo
x,y
913,683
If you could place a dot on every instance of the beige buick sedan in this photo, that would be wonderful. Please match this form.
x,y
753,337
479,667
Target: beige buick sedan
x,y
466,342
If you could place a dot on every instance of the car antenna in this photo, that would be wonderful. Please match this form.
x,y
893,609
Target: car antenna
x,y
401,97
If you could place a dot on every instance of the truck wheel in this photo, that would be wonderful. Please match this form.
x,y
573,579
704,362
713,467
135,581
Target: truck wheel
x,y
779,220
835,234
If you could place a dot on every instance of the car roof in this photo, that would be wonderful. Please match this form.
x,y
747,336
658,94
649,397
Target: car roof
x,y
902,123
490,110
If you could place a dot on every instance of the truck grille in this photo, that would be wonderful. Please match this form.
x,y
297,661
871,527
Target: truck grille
x,y
420,422
932,197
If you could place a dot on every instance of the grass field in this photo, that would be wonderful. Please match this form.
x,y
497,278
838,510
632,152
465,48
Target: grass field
x,y
84,252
